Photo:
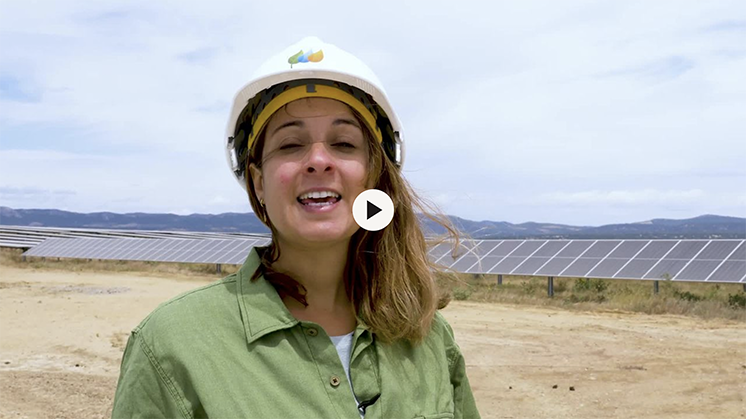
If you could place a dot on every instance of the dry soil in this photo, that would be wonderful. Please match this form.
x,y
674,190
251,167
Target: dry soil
x,y
62,336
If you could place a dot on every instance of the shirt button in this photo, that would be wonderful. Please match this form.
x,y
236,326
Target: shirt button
x,y
311,331
334,381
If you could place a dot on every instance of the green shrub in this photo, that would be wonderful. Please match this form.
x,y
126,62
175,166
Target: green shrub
x,y
737,301
687,296
529,287
461,293
590,284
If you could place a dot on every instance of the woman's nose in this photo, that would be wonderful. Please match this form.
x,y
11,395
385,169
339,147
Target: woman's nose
x,y
319,159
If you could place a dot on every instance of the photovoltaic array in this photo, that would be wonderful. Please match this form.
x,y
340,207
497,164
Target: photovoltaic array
x,y
26,237
678,260
227,251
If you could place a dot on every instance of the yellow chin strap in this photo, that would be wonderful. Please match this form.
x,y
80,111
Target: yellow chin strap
x,y
312,90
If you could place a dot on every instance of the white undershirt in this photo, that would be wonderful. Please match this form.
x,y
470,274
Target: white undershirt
x,y
344,348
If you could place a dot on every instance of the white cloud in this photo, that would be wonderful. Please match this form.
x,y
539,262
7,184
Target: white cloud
x,y
624,197
8,157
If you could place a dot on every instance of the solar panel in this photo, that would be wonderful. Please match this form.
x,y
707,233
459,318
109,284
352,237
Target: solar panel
x,y
685,260
555,266
498,250
729,271
739,253
678,260
575,249
635,268
229,251
665,269
608,267
530,265
657,249
716,249
27,237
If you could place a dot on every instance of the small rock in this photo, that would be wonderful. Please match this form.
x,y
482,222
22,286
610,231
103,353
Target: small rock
x,y
6,362
554,386
572,388
38,302
77,365
97,335
510,388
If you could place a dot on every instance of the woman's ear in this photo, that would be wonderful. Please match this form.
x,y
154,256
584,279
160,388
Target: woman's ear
x,y
256,177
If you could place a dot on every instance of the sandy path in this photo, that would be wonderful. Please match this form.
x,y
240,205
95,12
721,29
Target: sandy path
x,y
62,334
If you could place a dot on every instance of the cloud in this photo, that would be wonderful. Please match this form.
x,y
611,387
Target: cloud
x,y
658,70
220,106
126,103
624,197
201,55
44,156
35,197
9,192
727,26
218,200
15,90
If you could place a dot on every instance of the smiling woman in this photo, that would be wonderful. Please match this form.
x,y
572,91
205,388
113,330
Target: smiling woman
x,y
330,320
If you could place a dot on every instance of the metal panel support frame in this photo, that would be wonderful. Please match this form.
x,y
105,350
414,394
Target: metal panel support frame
x,y
550,286
218,268
656,287
500,280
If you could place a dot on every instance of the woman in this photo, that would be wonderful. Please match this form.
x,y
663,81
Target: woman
x,y
330,321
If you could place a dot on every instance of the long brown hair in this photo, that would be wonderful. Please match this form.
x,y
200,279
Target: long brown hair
x,y
388,276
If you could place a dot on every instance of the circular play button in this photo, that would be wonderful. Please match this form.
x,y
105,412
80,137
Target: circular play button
x,y
373,210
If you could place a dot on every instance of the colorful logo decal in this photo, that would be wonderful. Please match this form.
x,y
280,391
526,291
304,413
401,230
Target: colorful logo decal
x,y
304,57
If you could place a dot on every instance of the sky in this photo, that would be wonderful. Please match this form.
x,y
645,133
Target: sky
x,y
571,112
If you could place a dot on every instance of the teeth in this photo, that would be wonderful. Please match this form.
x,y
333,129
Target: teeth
x,y
318,195
318,204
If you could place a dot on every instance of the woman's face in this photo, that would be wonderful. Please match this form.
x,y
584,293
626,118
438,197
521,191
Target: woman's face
x,y
314,165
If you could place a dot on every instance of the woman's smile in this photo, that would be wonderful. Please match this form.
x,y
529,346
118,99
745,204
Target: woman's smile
x,y
319,200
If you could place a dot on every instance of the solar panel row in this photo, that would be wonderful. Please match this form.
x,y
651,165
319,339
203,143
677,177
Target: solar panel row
x,y
228,251
27,237
681,260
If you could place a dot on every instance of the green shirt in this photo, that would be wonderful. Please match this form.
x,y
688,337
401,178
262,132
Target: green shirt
x,y
231,349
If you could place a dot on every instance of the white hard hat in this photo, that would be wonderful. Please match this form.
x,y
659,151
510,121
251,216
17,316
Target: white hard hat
x,y
309,68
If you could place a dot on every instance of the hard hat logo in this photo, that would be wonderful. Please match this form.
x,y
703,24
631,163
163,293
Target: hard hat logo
x,y
305,57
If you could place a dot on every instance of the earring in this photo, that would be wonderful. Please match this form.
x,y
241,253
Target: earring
x,y
263,214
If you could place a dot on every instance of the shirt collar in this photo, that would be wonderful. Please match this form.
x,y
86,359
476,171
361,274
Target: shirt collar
x,y
262,309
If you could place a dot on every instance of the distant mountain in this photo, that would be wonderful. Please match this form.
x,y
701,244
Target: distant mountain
x,y
227,222
710,226
502,229
705,226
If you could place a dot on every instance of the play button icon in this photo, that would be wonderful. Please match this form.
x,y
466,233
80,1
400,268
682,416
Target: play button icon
x,y
373,210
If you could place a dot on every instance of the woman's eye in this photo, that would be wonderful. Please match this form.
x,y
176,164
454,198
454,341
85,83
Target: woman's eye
x,y
289,146
344,144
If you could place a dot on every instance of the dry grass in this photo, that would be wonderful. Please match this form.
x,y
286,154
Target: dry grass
x,y
12,258
707,301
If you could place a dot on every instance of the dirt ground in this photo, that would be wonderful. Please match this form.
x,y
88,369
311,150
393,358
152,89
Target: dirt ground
x,y
62,336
